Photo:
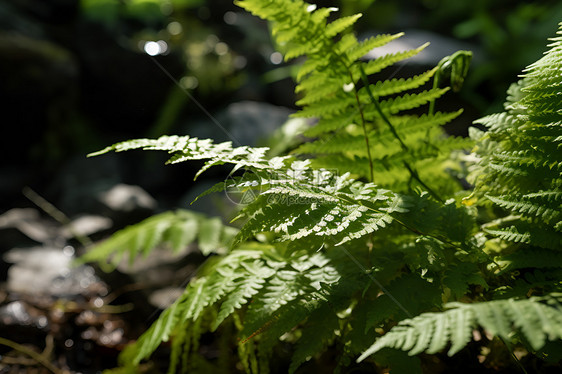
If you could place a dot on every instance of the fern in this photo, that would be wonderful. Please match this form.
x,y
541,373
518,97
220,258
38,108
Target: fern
x,y
186,148
242,265
176,229
520,158
518,171
331,80
347,259
537,319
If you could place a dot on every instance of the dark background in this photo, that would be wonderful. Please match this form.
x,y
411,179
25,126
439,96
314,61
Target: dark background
x,y
74,79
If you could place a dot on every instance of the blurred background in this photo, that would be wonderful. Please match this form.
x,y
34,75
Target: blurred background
x,y
78,75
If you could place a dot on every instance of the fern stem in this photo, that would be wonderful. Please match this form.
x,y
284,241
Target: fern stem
x,y
364,125
519,364
379,109
415,175
360,108
412,172
435,85
456,68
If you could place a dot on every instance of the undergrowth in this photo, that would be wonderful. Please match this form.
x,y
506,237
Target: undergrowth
x,y
363,242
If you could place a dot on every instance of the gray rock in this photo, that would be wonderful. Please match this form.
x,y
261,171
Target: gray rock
x,y
86,225
165,297
243,123
29,222
126,198
47,271
16,313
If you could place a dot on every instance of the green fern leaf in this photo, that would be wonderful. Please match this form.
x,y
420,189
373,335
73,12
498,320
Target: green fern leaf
x,y
519,156
394,86
178,229
158,332
246,285
517,204
537,319
407,102
460,276
377,65
185,148
355,50
337,26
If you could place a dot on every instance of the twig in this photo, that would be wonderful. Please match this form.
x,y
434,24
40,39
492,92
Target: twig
x,y
34,355
56,214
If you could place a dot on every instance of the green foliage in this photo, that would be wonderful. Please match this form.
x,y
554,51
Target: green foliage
x,y
176,229
520,156
369,258
536,319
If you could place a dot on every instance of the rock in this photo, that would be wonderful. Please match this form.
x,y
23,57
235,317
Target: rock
x,y
28,222
47,271
81,181
86,225
126,198
161,267
48,232
17,313
251,121
126,205
165,297
243,123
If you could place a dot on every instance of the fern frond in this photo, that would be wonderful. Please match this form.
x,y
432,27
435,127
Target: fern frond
x,y
246,285
244,266
161,330
406,102
518,205
356,50
520,159
377,65
300,210
458,278
538,319
529,234
393,86
186,148
292,294
177,229
337,26
329,76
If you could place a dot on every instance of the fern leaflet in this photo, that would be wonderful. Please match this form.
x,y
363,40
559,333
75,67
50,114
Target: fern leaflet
x,y
538,319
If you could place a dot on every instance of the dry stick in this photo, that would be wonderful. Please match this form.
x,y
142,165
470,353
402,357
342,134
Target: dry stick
x,y
59,216
34,355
